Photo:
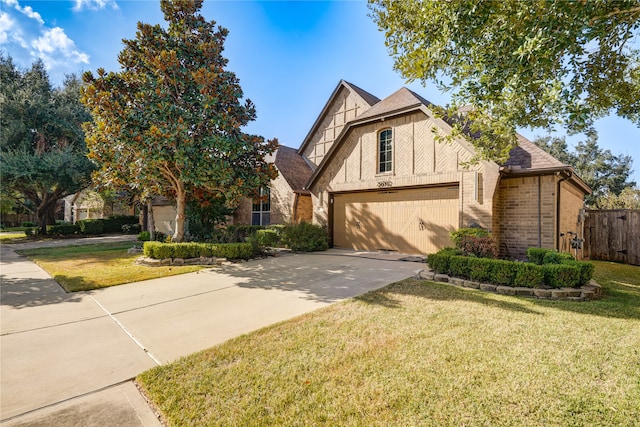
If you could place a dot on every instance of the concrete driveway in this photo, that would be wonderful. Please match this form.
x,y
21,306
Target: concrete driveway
x,y
68,359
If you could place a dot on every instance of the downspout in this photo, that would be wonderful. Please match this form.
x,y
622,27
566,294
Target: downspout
x,y
569,174
539,211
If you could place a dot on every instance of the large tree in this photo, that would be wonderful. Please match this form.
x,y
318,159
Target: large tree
x,y
43,153
606,173
170,121
533,63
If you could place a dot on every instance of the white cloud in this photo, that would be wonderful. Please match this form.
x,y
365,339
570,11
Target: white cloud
x,y
28,10
6,24
54,47
94,4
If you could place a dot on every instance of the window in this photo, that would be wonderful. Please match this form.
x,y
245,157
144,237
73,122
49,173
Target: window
x,y
385,151
261,209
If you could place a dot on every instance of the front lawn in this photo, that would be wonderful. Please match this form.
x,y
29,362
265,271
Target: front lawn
x,y
86,267
423,353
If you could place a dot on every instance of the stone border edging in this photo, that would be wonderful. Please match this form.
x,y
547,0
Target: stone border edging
x,y
151,262
590,291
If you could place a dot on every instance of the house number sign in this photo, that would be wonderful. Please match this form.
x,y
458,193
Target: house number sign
x,y
385,184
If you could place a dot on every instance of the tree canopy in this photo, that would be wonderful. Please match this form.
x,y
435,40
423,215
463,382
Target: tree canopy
x,y
43,153
607,174
170,121
535,63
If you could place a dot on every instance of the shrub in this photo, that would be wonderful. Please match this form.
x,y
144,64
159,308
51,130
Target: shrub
x,y
29,232
267,237
459,266
553,257
439,261
157,250
481,247
479,269
63,229
586,270
528,275
114,224
28,224
144,236
459,234
561,275
186,250
305,237
233,250
502,272
131,228
536,255
91,226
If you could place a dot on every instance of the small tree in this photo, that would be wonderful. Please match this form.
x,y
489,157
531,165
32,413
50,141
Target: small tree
x,y
170,121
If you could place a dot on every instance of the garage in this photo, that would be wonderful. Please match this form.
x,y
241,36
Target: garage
x,y
412,221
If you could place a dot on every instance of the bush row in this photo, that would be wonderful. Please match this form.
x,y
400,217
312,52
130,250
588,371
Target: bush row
x,y
511,273
114,224
159,250
300,237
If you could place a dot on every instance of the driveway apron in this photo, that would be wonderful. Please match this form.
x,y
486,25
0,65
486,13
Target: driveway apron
x,y
85,347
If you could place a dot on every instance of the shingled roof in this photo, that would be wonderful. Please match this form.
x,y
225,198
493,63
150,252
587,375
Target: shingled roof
x,y
293,168
527,155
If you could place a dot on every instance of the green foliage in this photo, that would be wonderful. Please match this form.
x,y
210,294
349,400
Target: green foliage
x,y
553,257
586,270
481,247
629,198
234,233
439,261
63,229
42,147
461,233
91,226
479,270
529,275
204,213
114,224
561,275
305,237
27,224
605,173
535,63
459,266
536,255
502,272
160,250
268,237
144,236
175,115
131,228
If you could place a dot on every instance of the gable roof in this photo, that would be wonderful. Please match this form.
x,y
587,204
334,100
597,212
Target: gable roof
x,y
367,98
525,158
293,168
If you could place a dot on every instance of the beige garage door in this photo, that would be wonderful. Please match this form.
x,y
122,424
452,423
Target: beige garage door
x,y
413,221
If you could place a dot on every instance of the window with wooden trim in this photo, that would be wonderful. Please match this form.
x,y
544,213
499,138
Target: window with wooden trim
x,y
261,208
385,151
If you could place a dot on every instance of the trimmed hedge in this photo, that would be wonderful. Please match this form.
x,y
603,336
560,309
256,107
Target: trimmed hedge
x,y
160,250
268,237
63,229
91,226
305,237
511,273
458,235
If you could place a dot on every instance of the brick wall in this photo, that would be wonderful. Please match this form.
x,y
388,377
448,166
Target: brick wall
x,y
571,201
525,214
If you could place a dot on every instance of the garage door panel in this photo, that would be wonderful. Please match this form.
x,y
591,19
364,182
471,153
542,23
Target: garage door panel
x,y
410,221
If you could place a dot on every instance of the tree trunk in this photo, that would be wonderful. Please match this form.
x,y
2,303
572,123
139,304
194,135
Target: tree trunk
x,y
181,202
46,213
151,222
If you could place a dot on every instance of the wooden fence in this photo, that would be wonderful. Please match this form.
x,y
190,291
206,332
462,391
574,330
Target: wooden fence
x,y
15,220
613,235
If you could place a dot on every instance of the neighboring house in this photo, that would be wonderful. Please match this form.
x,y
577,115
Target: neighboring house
x,y
86,204
379,181
285,200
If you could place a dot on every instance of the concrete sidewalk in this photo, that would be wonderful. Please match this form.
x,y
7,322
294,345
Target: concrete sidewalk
x,y
70,357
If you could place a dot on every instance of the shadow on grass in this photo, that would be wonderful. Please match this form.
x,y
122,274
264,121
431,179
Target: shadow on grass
x,y
620,300
439,292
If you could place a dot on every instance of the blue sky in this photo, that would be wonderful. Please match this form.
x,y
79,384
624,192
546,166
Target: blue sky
x,y
289,56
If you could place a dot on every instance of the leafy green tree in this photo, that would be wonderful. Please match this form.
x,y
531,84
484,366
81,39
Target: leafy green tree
x,y
629,198
534,63
606,173
44,156
169,122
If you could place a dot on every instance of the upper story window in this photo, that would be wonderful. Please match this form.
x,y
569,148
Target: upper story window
x,y
261,208
385,151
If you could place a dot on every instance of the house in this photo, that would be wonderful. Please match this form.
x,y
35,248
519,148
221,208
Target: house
x,y
380,181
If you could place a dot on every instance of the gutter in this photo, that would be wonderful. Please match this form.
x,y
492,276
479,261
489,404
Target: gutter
x,y
558,184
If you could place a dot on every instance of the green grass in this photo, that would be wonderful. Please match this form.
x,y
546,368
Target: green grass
x,y
86,267
423,353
